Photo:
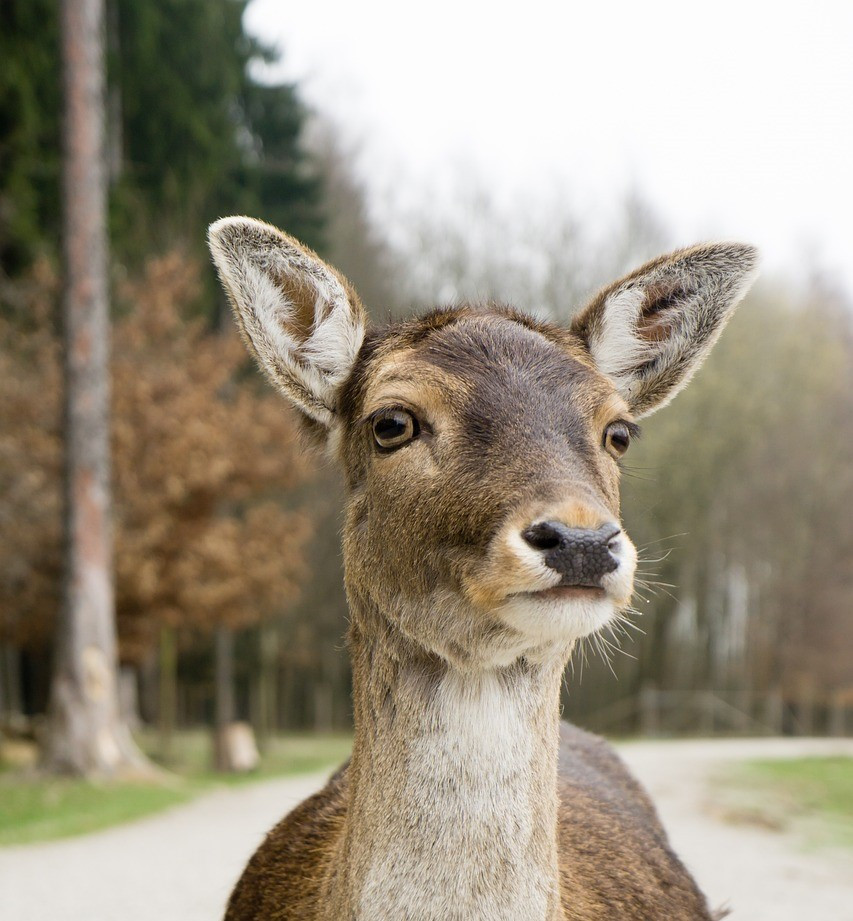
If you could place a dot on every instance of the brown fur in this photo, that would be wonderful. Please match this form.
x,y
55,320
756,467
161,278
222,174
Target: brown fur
x,y
606,821
465,797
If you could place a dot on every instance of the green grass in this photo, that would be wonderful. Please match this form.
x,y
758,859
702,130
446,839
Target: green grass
x,y
40,810
811,796
34,808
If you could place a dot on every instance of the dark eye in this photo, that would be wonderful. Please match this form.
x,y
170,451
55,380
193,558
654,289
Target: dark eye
x,y
617,437
392,428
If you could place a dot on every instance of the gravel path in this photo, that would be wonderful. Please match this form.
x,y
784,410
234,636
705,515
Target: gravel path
x,y
762,875
180,865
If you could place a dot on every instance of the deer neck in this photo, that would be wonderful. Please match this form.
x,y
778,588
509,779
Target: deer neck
x,y
453,801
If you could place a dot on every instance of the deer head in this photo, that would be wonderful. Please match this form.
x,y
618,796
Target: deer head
x,y
480,447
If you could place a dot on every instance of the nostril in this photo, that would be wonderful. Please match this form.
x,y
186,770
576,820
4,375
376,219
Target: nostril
x,y
613,539
546,535
609,532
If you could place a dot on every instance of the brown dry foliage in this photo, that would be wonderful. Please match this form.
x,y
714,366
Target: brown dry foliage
x,y
203,461
30,460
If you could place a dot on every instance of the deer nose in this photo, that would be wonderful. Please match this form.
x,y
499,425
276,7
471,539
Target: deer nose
x,y
581,555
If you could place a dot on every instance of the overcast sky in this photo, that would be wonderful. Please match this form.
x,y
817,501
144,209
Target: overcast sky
x,y
734,119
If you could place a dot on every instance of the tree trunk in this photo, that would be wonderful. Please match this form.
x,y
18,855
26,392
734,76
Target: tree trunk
x,y
86,735
11,703
224,699
167,692
267,693
323,705
284,716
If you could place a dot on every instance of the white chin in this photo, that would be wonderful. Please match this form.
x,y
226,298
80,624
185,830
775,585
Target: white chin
x,y
556,619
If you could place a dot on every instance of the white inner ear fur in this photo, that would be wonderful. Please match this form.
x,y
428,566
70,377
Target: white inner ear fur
x,y
620,351
310,370
616,348
335,343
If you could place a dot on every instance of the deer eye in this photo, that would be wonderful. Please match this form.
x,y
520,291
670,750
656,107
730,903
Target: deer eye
x,y
392,428
617,438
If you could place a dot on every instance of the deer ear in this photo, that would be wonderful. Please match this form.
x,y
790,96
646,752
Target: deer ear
x,y
303,321
649,332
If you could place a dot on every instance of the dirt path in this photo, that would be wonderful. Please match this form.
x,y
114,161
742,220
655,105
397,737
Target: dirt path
x,y
762,875
180,865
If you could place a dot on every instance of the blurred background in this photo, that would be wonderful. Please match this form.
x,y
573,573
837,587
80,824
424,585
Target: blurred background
x,y
433,154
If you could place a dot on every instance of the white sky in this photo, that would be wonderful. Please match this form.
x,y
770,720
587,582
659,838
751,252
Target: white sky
x,y
734,119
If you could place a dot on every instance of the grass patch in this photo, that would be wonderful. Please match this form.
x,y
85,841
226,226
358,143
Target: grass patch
x,y
40,810
810,796
34,808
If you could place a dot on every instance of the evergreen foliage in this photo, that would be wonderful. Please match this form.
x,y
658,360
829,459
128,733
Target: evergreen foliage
x,y
192,134
30,97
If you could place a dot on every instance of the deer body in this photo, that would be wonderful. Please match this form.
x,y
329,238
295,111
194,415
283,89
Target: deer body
x,y
482,541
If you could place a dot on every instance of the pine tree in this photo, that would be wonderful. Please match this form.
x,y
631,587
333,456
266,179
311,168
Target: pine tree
x,y
86,734
191,133
30,100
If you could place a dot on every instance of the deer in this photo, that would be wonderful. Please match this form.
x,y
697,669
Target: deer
x,y
480,449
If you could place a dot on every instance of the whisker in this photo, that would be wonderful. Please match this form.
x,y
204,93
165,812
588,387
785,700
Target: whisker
x,y
625,623
639,593
653,582
660,540
659,588
656,559
616,645
602,652
648,588
579,655
637,476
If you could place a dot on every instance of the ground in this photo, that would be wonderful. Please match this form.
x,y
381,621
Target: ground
x,y
180,865
761,873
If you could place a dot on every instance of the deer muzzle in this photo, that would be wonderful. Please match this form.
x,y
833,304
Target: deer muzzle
x,y
582,556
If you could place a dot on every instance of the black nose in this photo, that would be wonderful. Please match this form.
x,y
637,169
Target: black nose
x,y
582,556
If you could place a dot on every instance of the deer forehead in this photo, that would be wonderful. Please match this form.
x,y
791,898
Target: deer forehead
x,y
488,369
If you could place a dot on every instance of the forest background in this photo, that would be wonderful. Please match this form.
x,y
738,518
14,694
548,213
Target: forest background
x,y
229,599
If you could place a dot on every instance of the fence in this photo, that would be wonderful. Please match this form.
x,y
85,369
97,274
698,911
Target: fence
x,y
656,712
